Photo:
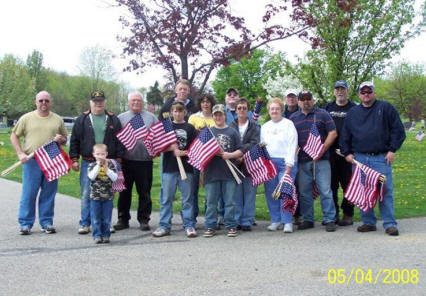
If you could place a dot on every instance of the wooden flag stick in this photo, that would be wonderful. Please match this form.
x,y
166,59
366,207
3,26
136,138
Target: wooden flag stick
x,y
14,166
228,162
181,168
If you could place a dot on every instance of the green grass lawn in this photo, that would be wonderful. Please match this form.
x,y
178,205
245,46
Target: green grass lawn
x,y
409,170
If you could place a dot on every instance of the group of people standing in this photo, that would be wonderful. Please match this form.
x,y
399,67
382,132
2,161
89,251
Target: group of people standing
x,y
370,132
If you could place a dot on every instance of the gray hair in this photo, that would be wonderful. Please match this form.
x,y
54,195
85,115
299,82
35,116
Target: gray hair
x,y
42,93
131,94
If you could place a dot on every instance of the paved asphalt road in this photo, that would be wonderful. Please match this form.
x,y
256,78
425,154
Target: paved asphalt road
x,y
255,263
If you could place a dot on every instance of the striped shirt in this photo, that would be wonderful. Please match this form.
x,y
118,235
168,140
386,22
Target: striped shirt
x,y
303,124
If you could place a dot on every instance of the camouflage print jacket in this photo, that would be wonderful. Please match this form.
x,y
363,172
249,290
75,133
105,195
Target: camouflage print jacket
x,y
101,186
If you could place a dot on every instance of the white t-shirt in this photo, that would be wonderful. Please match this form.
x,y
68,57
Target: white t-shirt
x,y
280,139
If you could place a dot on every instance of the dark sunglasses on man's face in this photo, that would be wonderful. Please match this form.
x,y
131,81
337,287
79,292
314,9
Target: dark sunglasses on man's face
x,y
241,108
308,98
44,101
366,92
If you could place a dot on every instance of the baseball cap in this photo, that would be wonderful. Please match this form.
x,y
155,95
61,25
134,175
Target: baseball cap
x,y
304,94
291,91
340,83
368,84
218,108
97,96
231,89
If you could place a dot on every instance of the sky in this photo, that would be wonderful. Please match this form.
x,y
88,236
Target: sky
x,y
62,29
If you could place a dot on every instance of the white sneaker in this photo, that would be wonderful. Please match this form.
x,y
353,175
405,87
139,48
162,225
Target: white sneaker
x,y
274,226
190,232
288,228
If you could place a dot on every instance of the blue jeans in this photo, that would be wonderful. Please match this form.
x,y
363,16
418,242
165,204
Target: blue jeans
x,y
322,179
245,202
195,188
378,163
101,212
226,189
275,206
169,184
33,179
85,194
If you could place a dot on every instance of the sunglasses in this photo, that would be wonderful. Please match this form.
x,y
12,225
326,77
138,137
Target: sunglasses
x,y
44,101
305,99
366,92
241,108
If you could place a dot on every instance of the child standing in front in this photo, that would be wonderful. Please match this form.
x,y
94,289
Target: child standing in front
x,y
102,173
171,179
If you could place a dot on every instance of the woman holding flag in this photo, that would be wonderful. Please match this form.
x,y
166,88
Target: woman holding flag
x,y
280,137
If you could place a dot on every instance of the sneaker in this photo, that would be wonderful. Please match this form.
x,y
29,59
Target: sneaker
x,y
48,229
239,227
144,227
105,240
330,227
220,220
298,220
305,225
346,221
190,232
25,231
160,232
121,225
393,231
112,230
84,230
288,228
232,232
246,228
209,232
98,240
366,228
274,226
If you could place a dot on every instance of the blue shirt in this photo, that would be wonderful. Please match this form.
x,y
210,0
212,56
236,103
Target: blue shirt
x,y
303,124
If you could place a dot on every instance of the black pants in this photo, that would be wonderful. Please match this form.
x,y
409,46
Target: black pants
x,y
341,172
140,173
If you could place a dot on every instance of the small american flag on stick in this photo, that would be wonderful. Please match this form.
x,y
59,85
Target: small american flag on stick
x,y
118,185
53,161
161,135
257,108
314,146
133,131
259,164
202,149
365,186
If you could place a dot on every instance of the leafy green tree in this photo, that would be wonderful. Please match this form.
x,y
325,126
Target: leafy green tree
x,y
249,75
36,70
16,88
154,96
358,38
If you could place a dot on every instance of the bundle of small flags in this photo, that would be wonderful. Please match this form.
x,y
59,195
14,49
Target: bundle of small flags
x,y
259,164
365,186
257,108
53,161
118,185
286,191
160,136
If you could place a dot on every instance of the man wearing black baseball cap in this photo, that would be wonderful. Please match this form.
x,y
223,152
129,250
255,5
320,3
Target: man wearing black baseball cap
x,y
341,170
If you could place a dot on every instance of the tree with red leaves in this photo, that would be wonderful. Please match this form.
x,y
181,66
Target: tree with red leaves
x,y
190,38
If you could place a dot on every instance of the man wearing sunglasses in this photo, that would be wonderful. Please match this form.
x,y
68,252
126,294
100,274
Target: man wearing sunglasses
x,y
371,134
38,128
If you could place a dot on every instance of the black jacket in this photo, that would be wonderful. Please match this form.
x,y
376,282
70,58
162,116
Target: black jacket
x,y
190,108
83,137
251,135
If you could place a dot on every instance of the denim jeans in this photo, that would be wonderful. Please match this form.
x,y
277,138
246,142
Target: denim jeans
x,y
169,184
226,189
33,179
85,194
322,179
245,202
275,206
101,212
195,188
378,163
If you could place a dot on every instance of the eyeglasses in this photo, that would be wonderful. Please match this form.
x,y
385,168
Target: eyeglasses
x,y
302,99
242,108
44,101
366,92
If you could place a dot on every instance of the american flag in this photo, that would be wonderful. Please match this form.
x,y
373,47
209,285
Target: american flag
x,y
313,146
259,164
364,187
160,136
118,185
288,194
202,149
133,131
257,108
53,161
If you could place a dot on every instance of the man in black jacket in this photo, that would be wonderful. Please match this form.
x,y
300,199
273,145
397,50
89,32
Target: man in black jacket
x,y
92,127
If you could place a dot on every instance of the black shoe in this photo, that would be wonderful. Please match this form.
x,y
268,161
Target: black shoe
x,y
144,227
305,225
121,225
239,227
346,221
392,231
330,227
24,231
246,228
366,228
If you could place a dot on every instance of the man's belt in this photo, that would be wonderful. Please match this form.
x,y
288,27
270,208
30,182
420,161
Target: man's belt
x,y
88,158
